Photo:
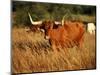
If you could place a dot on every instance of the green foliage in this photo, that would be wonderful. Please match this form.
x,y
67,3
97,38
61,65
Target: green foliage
x,y
44,11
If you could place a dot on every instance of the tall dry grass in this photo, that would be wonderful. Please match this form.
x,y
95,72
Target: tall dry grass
x,y
32,53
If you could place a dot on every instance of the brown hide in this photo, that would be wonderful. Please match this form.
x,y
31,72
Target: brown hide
x,y
68,35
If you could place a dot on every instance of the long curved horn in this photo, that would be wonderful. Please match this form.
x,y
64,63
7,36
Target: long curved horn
x,y
57,23
34,23
63,19
30,18
37,23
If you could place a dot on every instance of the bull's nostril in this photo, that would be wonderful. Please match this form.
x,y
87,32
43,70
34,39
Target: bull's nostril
x,y
47,37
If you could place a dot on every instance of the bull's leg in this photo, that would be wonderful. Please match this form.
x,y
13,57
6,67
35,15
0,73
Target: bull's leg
x,y
53,44
54,48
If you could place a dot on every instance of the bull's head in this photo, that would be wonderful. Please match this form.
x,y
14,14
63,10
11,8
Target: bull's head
x,y
48,26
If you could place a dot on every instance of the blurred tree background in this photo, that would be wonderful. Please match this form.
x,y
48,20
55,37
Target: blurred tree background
x,y
52,11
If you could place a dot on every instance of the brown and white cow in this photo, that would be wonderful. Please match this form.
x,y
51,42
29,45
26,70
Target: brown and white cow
x,y
67,35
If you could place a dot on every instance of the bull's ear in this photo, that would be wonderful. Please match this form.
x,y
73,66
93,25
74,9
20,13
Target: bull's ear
x,y
56,24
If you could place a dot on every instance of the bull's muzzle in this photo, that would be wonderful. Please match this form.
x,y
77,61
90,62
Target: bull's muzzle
x,y
42,30
47,37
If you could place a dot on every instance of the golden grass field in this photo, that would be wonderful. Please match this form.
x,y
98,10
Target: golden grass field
x,y
32,53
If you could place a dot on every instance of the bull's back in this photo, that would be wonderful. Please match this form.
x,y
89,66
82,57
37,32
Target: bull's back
x,y
75,30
